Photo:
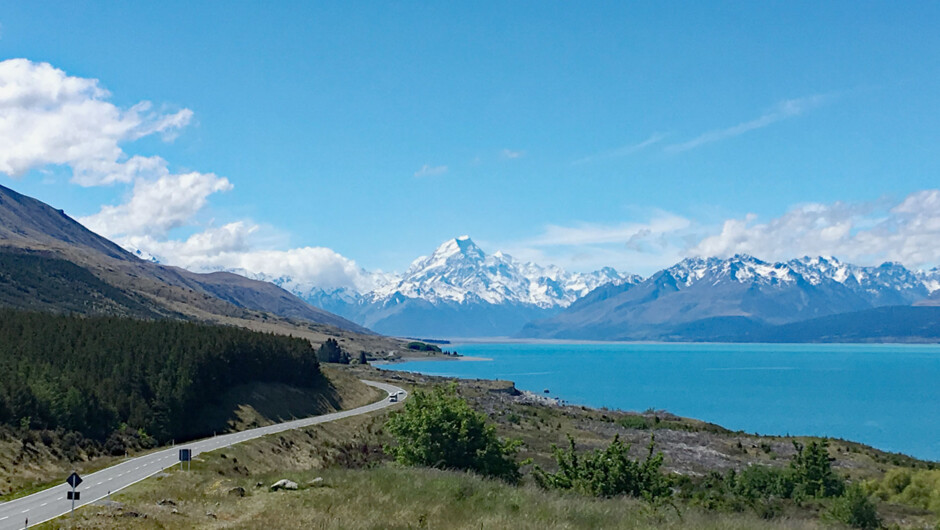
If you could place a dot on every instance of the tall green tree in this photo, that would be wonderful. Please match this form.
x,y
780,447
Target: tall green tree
x,y
812,471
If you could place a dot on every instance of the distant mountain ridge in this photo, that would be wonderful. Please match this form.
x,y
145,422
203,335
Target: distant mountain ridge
x,y
29,227
703,297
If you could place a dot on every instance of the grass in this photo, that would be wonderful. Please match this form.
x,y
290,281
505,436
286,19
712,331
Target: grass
x,y
387,497
27,465
362,489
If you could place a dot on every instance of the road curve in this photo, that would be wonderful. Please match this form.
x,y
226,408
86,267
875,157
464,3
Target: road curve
x,y
51,503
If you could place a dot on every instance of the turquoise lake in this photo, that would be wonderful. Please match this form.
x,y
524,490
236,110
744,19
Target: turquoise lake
x,y
887,396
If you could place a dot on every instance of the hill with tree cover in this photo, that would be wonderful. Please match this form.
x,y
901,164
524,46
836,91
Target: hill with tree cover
x,y
97,375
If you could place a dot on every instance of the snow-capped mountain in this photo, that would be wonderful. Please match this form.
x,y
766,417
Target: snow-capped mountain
x,y
700,297
887,284
460,291
459,271
457,291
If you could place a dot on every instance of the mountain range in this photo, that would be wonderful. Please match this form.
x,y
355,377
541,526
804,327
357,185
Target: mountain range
x,y
460,291
712,299
50,262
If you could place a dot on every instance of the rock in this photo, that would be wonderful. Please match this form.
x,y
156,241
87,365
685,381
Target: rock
x,y
284,484
177,512
259,484
317,482
166,502
237,491
132,514
211,515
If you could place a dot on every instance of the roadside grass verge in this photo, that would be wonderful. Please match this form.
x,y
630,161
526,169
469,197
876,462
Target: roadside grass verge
x,y
389,497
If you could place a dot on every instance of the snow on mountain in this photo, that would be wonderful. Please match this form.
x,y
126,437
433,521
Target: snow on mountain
x,y
741,268
141,253
459,271
888,277
703,298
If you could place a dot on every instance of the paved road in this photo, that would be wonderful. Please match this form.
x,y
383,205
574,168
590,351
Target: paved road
x,y
51,503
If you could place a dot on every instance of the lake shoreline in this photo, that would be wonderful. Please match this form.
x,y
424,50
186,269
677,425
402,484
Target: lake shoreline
x,y
847,391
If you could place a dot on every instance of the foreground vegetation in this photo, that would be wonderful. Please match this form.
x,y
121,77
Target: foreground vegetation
x,y
353,474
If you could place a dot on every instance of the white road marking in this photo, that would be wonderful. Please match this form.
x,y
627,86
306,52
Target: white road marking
x,y
43,504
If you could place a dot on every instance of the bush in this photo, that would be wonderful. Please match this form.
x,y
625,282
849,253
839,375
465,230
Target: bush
x,y
439,429
607,472
855,509
920,488
764,482
634,422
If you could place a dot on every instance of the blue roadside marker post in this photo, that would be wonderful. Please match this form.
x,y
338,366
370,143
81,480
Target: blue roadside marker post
x,y
74,480
186,455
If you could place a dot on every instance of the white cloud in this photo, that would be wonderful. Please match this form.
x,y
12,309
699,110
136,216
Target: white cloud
x,y
428,170
639,247
156,207
231,247
865,233
510,154
588,233
623,151
781,111
50,118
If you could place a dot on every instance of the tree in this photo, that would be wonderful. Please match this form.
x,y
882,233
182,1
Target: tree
x,y
330,352
812,472
439,429
362,357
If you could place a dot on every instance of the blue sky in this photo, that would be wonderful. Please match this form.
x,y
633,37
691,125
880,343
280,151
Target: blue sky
x,y
622,134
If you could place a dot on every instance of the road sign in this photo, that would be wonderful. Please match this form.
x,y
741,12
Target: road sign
x,y
73,495
74,480
186,455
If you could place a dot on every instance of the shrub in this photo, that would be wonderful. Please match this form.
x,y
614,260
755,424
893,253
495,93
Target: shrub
x,y
634,422
764,482
855,509
606,472
439,429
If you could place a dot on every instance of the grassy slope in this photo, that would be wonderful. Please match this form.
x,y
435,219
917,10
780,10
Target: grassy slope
x,y
364,490
29,462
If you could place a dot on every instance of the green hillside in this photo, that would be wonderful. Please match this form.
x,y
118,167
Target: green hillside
x,y
100,375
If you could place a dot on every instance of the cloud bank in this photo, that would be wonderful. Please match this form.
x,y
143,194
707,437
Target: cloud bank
x,y
907,231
